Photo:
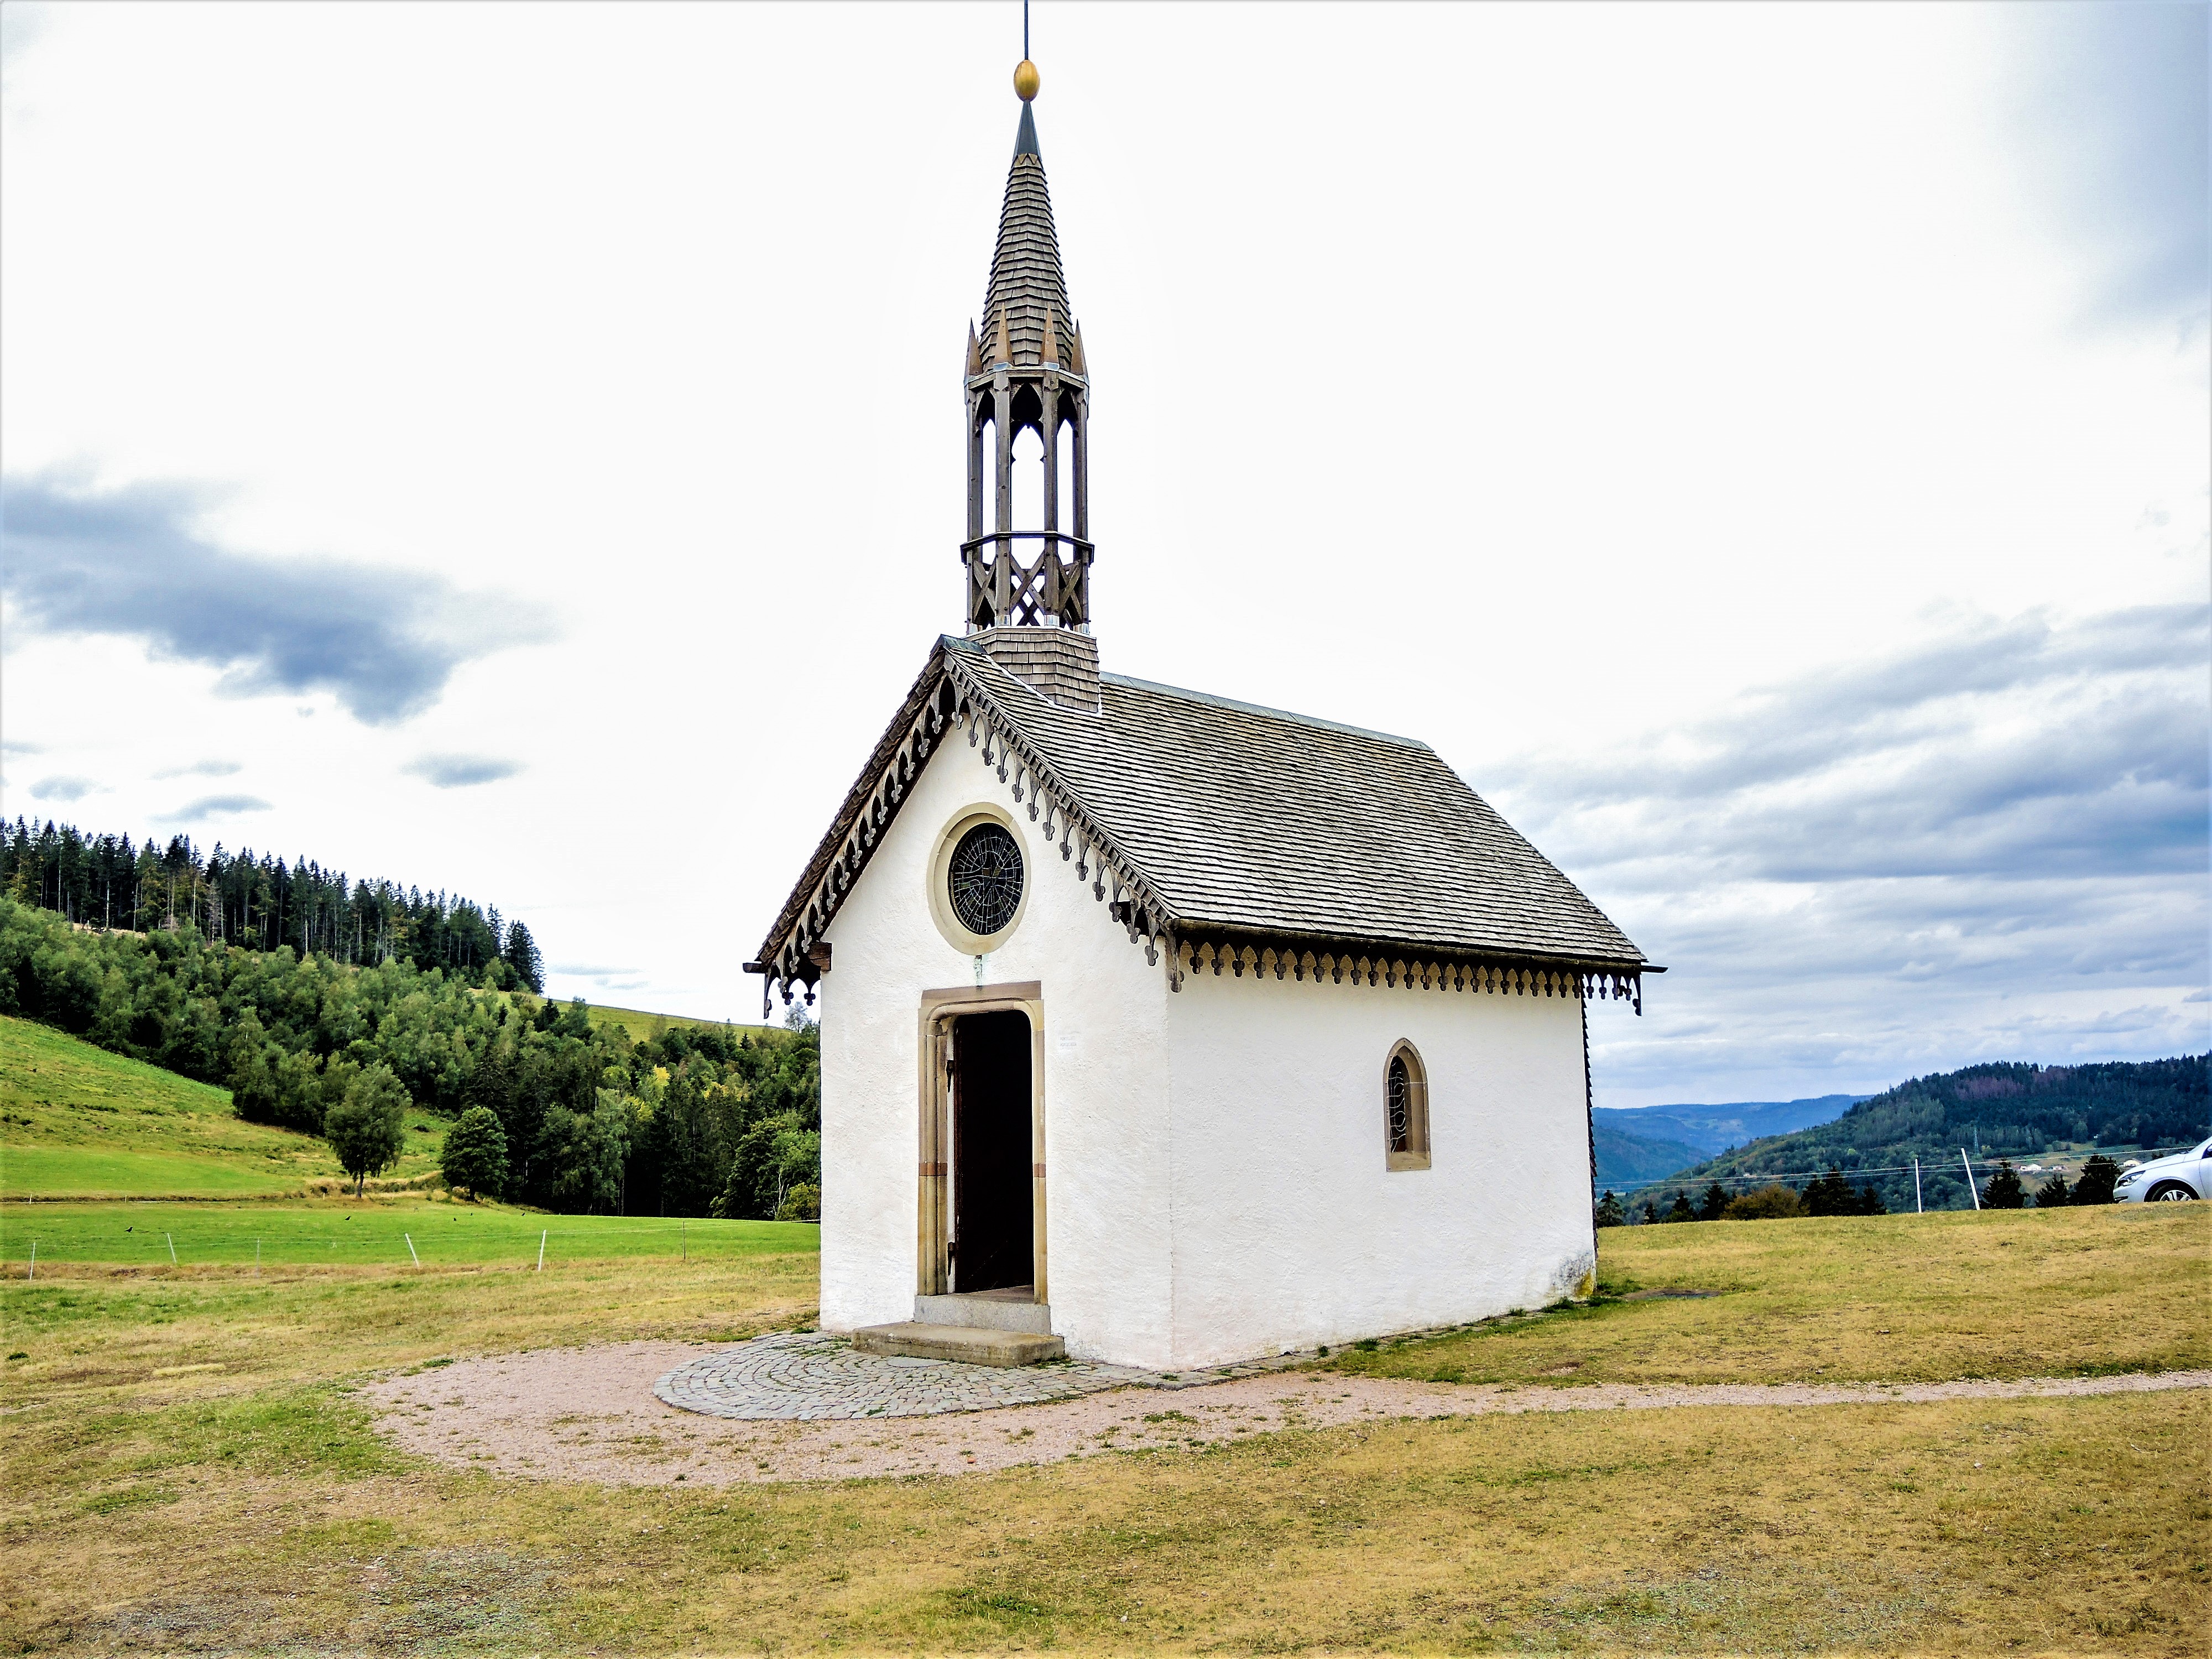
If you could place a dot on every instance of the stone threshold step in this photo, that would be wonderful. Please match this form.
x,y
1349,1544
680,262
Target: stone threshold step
x,y
967,1344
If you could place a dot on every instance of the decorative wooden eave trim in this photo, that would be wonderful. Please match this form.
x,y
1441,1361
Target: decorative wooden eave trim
x,y
947,695
788,956
1117,880
1396,964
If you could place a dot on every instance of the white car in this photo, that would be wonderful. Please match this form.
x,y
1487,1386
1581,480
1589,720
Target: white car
x,y
2172,1180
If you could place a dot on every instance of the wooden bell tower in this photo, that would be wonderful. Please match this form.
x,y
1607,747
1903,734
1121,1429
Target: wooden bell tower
x,y
1028,600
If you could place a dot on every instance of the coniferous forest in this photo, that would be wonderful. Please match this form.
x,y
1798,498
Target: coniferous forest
x,y
694,1121
260,902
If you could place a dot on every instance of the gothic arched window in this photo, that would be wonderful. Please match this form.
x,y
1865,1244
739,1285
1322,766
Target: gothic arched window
x,y
1405,1109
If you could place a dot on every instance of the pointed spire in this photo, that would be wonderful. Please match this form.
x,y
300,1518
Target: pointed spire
x,y
1027,285
1051,340
975,352
1004,353
1077,364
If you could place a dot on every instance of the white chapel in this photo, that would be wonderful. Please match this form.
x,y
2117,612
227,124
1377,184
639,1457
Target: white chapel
x,y
1159,1028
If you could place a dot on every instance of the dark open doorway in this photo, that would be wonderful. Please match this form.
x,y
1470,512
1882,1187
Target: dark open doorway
x,y
992,1229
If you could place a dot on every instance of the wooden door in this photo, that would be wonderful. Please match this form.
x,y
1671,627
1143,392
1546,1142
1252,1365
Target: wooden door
x,y
992,1240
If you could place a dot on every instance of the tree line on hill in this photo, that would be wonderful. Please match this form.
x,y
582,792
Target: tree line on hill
x,y
2015,1112
693,1120
1831,1195
261,902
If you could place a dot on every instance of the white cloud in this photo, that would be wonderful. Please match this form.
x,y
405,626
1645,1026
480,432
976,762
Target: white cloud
x,y
1523,378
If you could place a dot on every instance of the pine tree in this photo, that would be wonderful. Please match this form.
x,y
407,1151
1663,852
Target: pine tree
x,y
1830,1195
1715,1203
1609,1212
521,954
691,1173
2054,1193
2003,1191
1681,1210
2100,1176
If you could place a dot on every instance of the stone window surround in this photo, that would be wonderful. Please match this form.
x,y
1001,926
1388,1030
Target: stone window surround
x,y
1416,1155
940,861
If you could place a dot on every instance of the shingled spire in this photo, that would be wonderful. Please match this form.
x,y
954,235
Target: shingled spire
x,y
1028,586
1026,281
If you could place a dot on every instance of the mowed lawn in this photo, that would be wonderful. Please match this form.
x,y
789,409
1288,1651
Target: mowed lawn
x,y
77,1121
189,1468
396,1230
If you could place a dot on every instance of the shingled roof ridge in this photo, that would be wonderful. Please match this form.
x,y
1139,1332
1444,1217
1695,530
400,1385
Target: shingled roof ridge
x,y
1261,708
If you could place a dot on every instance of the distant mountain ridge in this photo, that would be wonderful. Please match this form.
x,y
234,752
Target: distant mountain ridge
x,y
2009,1110
1649,1143
1713,1129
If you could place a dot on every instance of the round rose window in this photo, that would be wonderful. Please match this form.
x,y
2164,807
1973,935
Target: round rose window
x,y
983,880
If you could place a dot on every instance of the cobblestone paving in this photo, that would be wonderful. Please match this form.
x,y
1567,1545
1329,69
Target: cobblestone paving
x,y
806,1375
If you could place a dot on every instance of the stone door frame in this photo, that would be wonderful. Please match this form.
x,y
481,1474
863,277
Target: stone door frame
x,y
938,1010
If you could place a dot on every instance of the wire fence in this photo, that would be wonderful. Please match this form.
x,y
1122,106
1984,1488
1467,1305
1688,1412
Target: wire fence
x,y
1767,1177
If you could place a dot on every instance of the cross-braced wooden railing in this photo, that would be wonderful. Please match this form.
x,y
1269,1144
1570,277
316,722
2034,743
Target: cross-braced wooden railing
x,y
1004,589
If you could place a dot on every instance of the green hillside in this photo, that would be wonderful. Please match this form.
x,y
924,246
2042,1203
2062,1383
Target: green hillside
x,y
2053,1115
641,1025
77,1121
1623,1158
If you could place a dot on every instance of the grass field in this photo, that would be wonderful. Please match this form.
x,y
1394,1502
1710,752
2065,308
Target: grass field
x,y
637,1024
1901,1299
349,1232
77,1121
189,1469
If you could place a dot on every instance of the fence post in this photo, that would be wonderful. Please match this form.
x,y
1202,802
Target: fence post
x,y
683,1231
1918,1208
172,1248
409,1237
1973,1191
541,1249
34,1274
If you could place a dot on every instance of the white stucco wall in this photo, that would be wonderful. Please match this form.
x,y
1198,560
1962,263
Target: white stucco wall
x,y
1216,1184
1105,1082
1290,1230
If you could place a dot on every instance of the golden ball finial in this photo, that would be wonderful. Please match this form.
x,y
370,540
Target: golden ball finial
x,y
1025,80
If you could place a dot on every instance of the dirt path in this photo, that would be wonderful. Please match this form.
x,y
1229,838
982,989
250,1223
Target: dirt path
x,y
590,1414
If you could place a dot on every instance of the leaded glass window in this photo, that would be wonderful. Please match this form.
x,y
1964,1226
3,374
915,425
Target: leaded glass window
x,y
1402,1105
983,880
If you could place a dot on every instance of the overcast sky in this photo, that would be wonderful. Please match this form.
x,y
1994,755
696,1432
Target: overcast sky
x,y
517,449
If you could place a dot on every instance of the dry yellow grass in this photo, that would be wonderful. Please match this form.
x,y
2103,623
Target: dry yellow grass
x,y
1901,1299
2076,1525
152,1504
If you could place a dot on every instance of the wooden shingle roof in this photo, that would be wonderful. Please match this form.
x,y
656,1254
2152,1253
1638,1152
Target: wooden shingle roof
x,y
1250,820
1026,280
1220,822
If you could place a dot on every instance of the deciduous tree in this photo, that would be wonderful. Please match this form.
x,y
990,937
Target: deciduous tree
x,y
1774,1202
475,1153
369,1127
